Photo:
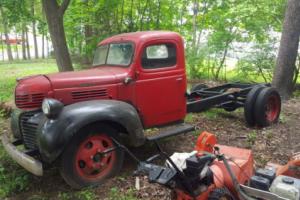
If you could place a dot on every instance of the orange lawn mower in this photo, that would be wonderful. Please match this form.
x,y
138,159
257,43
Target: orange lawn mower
x,y
213,171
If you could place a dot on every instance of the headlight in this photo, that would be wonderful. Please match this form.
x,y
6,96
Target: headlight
x,y
46,107
52,108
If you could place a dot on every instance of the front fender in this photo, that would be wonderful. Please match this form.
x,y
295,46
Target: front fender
x,y
54,135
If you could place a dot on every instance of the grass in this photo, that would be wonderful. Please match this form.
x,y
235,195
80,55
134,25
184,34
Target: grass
x,y
86,194
115,193
11,71
212,113
13,178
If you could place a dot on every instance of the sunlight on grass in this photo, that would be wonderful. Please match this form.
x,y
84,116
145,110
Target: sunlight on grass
x,y
11,71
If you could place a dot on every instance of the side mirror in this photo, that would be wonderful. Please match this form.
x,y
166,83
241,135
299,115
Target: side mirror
x,y
127,80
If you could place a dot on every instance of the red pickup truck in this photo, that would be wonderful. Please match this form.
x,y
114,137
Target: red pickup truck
x,y
137,81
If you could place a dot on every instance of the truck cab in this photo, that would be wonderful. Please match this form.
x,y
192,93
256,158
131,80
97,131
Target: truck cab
x,y
154,79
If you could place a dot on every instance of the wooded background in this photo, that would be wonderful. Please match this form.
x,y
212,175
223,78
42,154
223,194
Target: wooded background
x,y
224,39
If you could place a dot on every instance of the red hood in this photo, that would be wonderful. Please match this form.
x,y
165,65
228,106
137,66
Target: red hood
x,y
91,77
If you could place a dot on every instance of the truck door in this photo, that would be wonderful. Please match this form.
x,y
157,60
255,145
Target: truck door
x,y
161,83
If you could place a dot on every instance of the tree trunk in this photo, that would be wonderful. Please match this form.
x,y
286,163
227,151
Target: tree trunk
x,y
27,43
23,44
5,27
157,25
47,46
88,34
2,47
195,14
16,47
122,17
142,15
36,51
8,46
286,59
131,17
54,15
43,45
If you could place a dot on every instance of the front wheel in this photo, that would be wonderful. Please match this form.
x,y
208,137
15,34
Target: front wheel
x,y
83,164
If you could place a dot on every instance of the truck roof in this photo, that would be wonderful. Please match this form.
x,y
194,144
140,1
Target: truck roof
x,y
142,36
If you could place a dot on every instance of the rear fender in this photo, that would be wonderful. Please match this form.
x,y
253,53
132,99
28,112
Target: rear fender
x,y
54,135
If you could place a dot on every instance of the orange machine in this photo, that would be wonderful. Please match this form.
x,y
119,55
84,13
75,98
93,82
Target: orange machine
x,y
240,161
216,172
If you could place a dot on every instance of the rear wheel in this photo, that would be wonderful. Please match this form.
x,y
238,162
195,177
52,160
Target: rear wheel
x,y
250,104
267,107
220,194
83,164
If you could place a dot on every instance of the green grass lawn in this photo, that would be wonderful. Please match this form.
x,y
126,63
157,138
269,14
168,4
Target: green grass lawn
x,y
11,71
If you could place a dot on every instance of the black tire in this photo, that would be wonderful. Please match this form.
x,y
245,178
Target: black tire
x,y
220,194
77,171
198,86
250,104
267,107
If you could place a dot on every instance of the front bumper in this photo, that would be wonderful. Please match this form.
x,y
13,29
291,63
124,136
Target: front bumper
x,y
28,162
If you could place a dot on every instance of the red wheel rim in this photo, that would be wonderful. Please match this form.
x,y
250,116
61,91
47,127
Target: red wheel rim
x,y
272,108
90,163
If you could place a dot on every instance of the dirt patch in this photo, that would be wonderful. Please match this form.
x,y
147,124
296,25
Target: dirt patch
x,y
276,144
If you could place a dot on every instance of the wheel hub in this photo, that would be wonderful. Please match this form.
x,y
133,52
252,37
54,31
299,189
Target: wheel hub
x,y
91,163
272,108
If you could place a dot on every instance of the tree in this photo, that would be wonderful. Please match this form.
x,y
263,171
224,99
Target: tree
x,y
36,51
288,51
54,15
6,33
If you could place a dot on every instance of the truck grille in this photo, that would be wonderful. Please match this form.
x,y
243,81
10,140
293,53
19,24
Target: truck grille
x,y
28,130
29,101
89,94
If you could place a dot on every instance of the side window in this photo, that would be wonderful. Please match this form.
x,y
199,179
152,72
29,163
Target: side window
x,y
159,56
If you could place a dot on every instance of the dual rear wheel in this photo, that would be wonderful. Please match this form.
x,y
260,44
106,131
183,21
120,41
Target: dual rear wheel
x,y
262,106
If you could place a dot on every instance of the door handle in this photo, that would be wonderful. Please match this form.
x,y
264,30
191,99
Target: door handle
x,y
179,79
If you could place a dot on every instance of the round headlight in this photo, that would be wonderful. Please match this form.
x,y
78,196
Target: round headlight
x,y
52,108
46,107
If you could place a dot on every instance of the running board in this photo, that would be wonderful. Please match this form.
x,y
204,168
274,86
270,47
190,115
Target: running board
x,y
185,128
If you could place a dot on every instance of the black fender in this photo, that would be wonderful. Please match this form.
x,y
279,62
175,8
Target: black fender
x,y
54,134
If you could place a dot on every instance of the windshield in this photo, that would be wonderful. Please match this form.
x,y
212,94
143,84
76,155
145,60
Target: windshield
x,y
113,54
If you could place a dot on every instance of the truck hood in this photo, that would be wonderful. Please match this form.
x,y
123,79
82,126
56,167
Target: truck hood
x,y
85,78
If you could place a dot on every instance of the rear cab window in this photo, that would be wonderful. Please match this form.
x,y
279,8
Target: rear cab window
x,y
159,56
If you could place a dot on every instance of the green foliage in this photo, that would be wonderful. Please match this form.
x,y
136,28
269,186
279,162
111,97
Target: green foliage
x,y
212,113
211,29
116,194
13,178
251,138
259,62
86,194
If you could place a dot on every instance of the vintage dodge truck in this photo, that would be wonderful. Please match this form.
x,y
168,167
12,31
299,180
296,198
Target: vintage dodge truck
x,y
137,81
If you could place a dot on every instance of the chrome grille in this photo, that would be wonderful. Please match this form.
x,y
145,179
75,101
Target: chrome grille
x,y
28,130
